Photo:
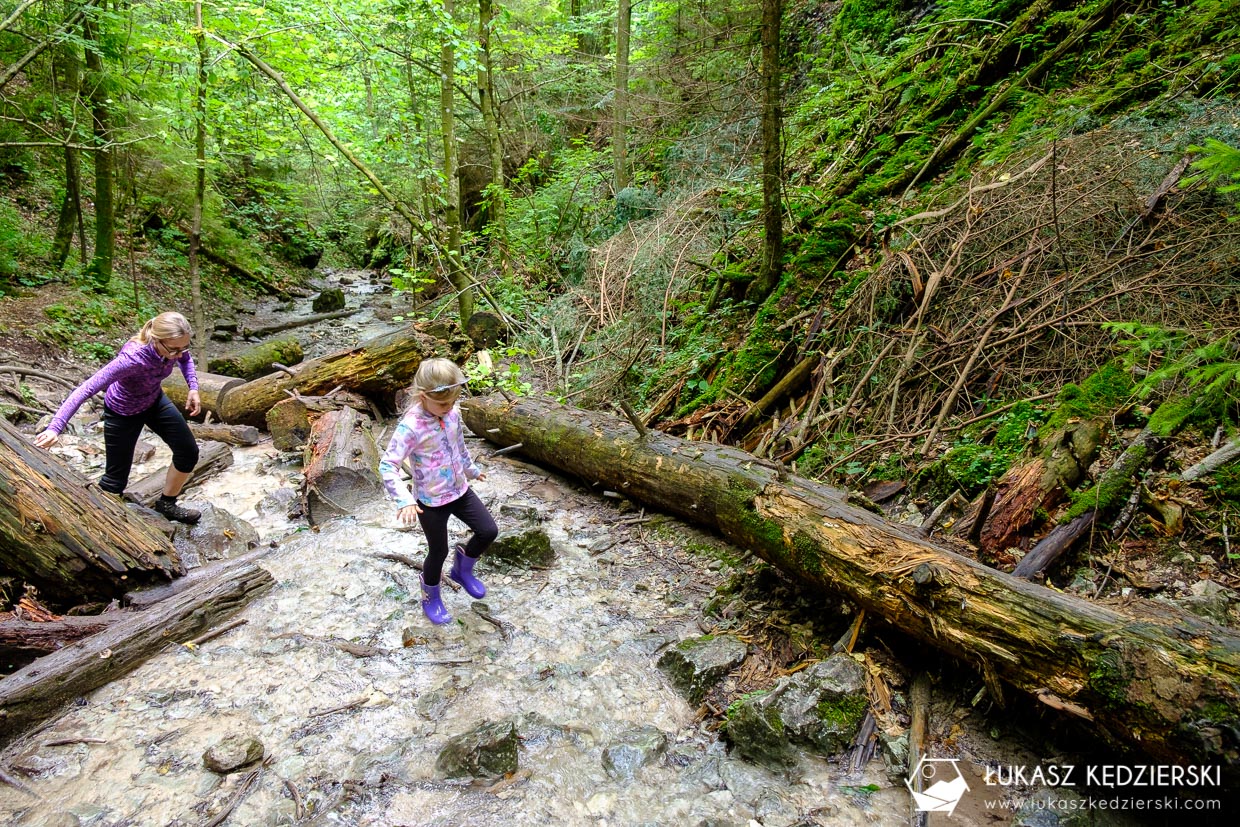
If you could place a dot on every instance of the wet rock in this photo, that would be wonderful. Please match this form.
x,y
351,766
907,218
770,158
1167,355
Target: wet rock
x,y
374,769
821,707
894,750
330,299
233,753
277,502
487,751
522,548
1044,809
523,512
218,535
634,750
1209,600
697,664
51,816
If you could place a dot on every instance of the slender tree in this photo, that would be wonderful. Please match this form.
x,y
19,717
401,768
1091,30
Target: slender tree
x,y
100,268
200,185
66,76
451,180
490,125
620,113
772,156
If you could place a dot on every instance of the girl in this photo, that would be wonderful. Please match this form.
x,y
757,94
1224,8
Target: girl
x,y
135,398
430,437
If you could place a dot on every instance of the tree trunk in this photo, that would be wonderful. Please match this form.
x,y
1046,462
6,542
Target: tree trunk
x,y
229,434
212,389
1035,487
490,126
200,186
267,330
288,422
38,691
451,173
213,458
772,156
63,535
342,466
256,361
620,106
22,641
68,74
105,212
1168,684
378,368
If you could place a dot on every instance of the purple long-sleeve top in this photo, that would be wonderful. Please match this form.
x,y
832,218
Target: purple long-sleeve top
x,y
133,380
435,448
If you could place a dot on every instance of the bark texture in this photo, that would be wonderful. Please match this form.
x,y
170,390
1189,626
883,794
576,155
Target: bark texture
x,y
256,361
1168,685
62,534
377,368
342,466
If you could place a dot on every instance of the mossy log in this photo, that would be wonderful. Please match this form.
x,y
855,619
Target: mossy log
x,y
377,368
257,360
41,689
239,435
288,422
212,388
60,533
342,466
1167,684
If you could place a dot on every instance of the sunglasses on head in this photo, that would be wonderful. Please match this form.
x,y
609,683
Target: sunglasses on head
x,y
443,388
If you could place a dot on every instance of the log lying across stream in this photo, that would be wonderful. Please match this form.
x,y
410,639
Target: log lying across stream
x,y
1165,683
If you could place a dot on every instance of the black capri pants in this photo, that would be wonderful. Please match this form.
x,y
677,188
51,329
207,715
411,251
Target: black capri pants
x,y
120,437
467,508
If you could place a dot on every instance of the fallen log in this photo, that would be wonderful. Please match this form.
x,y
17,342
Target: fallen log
x,y
239,435
41,689
288,422
213,457
1169,687
65,536
257,360
342,466
21,641
267,330
377,368
212,388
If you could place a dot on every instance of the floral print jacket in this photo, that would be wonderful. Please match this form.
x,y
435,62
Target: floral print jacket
x,y
435,448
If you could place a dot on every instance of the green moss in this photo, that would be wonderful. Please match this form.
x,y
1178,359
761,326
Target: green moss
x,y
808,552
844,711
1102,392
736,507
1108,678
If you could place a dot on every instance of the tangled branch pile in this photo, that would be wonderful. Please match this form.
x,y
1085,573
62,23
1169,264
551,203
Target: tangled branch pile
x,y
1004,292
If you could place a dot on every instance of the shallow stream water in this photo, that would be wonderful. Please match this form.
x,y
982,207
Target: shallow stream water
x,y
576,656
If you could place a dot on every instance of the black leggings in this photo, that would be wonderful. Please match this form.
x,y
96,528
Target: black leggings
x,y
120,437
434,519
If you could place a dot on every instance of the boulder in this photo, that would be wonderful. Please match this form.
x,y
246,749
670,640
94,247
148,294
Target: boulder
x,y
697,664
487,751
233,753
633,750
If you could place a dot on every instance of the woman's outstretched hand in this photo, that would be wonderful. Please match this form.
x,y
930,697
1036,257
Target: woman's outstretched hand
x,y
193,403
47,439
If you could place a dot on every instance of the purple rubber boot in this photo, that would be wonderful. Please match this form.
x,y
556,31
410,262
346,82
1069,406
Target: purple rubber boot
x,y
432,605
463,573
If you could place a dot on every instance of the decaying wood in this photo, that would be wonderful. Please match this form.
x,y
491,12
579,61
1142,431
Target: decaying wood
x,y
212,388
147,597
239,435
342,466
267,330
1168,688
65,536
1213,462
24,640
213,457
288,422
38,691
919,707
792,380
257,360
1038,485
1051,547
378,368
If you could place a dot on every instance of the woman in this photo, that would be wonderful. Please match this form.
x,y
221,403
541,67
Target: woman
x,y
134,398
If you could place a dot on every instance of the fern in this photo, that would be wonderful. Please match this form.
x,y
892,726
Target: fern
x,y
1218,161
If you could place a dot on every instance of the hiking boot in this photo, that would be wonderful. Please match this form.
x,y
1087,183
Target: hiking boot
x,y
177,513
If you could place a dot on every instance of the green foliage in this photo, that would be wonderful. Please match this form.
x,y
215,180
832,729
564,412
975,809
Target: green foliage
x,y
484,376
1210,370
80,324
1218,162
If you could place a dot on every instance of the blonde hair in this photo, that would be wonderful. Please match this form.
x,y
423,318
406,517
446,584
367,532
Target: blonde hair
x,y
164,326
439,373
